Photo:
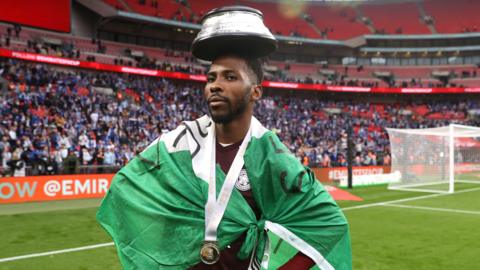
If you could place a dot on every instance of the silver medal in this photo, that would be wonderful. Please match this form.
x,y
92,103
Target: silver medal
x,y
242,184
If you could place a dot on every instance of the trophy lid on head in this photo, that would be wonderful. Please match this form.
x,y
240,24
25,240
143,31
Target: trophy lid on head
x,y
233,29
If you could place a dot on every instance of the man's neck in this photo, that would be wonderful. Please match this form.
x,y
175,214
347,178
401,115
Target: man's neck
x,y
234,131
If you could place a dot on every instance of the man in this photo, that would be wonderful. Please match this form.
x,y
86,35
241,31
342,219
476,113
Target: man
x,y
155,209
110,158
70,163
204,195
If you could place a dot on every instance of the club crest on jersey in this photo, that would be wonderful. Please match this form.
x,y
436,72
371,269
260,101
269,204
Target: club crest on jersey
x,y
242,184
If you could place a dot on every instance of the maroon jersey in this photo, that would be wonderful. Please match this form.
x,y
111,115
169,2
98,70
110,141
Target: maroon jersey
x,y
228,256
224,156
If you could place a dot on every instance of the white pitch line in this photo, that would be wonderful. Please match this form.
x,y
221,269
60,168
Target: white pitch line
x,y
111,243
407,199
433,209
27,256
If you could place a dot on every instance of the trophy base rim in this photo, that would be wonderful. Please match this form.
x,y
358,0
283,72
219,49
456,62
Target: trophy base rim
x,y
255,46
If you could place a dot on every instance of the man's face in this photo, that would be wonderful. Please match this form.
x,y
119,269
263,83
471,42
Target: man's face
x,y
228,90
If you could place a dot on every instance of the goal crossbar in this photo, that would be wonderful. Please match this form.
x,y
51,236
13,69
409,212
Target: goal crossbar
x,y
434,159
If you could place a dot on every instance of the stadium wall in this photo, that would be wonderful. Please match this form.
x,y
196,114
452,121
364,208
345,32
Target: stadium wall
x,y
84,21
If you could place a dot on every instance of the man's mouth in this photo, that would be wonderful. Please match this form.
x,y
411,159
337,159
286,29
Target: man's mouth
x,y
214,101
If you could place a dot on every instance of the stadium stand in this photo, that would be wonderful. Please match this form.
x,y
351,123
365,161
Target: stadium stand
x,y
407,18
94,113
316,20
308,128
282,23
454,16
200,8
40,41
335,22
162,8
80,100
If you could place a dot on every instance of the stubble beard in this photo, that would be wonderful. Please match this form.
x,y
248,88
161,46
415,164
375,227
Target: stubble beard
x,y
232,112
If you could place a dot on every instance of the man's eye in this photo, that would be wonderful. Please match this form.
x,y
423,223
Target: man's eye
x,y
210,79
231,78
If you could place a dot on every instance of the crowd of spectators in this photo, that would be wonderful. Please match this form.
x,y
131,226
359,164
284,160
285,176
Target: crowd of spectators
x,y
322,139
188,64
54,120
46,114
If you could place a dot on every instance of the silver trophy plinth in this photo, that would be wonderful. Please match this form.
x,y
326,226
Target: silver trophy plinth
x,y
236,30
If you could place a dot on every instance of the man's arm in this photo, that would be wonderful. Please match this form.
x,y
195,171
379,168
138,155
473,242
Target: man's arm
x,y
298,207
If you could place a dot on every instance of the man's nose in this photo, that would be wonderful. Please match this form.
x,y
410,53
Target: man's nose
x,y
215,87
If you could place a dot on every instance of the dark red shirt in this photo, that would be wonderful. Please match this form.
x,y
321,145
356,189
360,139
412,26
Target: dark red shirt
x,y
228,257
224,156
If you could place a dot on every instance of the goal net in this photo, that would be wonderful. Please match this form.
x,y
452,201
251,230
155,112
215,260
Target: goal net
x,y
435,159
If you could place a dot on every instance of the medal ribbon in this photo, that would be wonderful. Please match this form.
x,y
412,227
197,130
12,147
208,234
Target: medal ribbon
x,y
215,208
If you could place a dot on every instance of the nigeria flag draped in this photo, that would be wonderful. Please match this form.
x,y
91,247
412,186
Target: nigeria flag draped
x,y
155,207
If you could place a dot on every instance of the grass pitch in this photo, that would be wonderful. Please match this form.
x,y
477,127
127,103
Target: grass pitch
x,y
389,230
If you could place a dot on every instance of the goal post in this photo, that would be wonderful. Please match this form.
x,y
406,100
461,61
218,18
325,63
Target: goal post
x,y
435,159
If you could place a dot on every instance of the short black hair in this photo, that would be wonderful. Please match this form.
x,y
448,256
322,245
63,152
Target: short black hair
x,y
254,65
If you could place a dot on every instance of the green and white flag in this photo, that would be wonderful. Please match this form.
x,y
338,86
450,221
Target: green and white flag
x,y
155,208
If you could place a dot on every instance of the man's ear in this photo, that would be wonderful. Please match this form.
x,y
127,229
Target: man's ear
x,y
257,91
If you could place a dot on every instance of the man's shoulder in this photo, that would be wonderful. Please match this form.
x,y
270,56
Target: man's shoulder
x,y
202,122
175,140
269,143
170,142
